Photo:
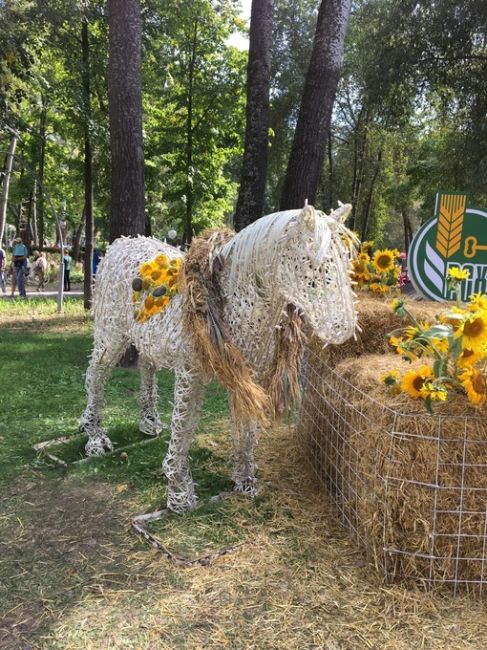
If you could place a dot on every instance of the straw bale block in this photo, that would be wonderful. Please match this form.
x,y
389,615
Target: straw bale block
x,y
411,488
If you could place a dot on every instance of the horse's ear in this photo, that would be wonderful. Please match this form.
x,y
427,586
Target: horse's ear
x,y
308,217
342,212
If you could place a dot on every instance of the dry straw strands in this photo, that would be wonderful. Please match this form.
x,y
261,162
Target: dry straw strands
x,y
203,320
410,487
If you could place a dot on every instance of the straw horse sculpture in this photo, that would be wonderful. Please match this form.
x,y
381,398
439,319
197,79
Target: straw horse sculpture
x,y
298,260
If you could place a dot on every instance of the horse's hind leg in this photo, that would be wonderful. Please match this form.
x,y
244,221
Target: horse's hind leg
x,y
244,440
189,393
103,359
150,422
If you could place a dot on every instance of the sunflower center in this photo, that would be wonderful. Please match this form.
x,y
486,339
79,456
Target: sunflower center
x,y
467,353
479,383
383,261
418,383
474,328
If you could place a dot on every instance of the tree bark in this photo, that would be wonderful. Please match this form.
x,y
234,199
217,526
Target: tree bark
x,y
188,223
9,163
250,204
40,174
308,149
408,230
88,170
75,253
368,205
125,115
33,214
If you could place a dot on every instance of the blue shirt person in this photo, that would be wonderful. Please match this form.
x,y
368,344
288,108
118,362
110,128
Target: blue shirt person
x,y
19,255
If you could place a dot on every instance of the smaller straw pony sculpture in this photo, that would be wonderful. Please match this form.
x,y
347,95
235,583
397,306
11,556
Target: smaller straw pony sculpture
x,y
233,308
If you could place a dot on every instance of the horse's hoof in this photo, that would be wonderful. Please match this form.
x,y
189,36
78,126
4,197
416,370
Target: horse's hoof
x,y
180,504
98,446
150,428
246,486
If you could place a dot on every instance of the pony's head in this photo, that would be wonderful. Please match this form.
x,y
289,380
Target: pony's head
x,y
297,257
314,272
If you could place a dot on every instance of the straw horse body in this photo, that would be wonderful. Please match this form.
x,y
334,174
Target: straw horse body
x,y
297,258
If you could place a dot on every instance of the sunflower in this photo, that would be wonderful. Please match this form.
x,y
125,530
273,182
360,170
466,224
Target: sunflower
x,y
366,247
398,343
376,287
162,261
364,257
413,381
440,345
397,306
475,385
478,301
435,393
384,260
456,273
474,332
412,332
149,302
146,269
156,275
468,358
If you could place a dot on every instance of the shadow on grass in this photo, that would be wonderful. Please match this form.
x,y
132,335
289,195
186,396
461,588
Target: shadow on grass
x,y
64,532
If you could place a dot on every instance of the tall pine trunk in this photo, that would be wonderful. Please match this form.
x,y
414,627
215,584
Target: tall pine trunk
x,y
125,114
40,174
188,223
250,204
9,163
310,138
88,170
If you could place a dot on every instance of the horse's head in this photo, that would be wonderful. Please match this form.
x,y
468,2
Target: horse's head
x,y
314,272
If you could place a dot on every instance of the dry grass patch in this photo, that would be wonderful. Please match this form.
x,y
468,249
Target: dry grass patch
x,y
296,583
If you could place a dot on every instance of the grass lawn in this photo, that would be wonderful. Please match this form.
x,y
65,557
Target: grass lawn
x,y
73,575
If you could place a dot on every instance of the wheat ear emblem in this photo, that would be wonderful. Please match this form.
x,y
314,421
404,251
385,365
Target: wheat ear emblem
x,y
450,223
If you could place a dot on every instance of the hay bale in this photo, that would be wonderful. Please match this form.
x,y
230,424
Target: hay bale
x,y
410,487
376,320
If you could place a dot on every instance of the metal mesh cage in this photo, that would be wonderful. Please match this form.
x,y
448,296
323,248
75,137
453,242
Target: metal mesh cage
x,y
410,488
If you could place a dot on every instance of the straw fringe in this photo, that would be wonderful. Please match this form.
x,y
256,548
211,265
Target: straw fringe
x,y
215,353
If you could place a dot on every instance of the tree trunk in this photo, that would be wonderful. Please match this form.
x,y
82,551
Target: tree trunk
x,y
40,175
125,114
188,223
88,170
75,253
9,163
330,171
308,149
250,204
368,205
408,230
33,214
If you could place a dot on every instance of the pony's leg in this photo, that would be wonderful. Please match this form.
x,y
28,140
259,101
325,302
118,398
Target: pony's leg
x,y
150,422
244,441
103,359
189,393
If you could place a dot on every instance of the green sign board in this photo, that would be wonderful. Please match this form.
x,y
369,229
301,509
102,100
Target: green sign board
x,y
455,236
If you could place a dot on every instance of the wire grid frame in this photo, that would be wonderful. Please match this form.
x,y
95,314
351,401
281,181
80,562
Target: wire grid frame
x,y
410,488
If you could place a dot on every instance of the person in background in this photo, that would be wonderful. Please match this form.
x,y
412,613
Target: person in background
x,y
68,260
2,270
40,269
19,255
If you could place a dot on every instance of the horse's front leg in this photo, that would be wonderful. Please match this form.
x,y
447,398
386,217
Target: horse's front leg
x,y
244,441
150,421
189,393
